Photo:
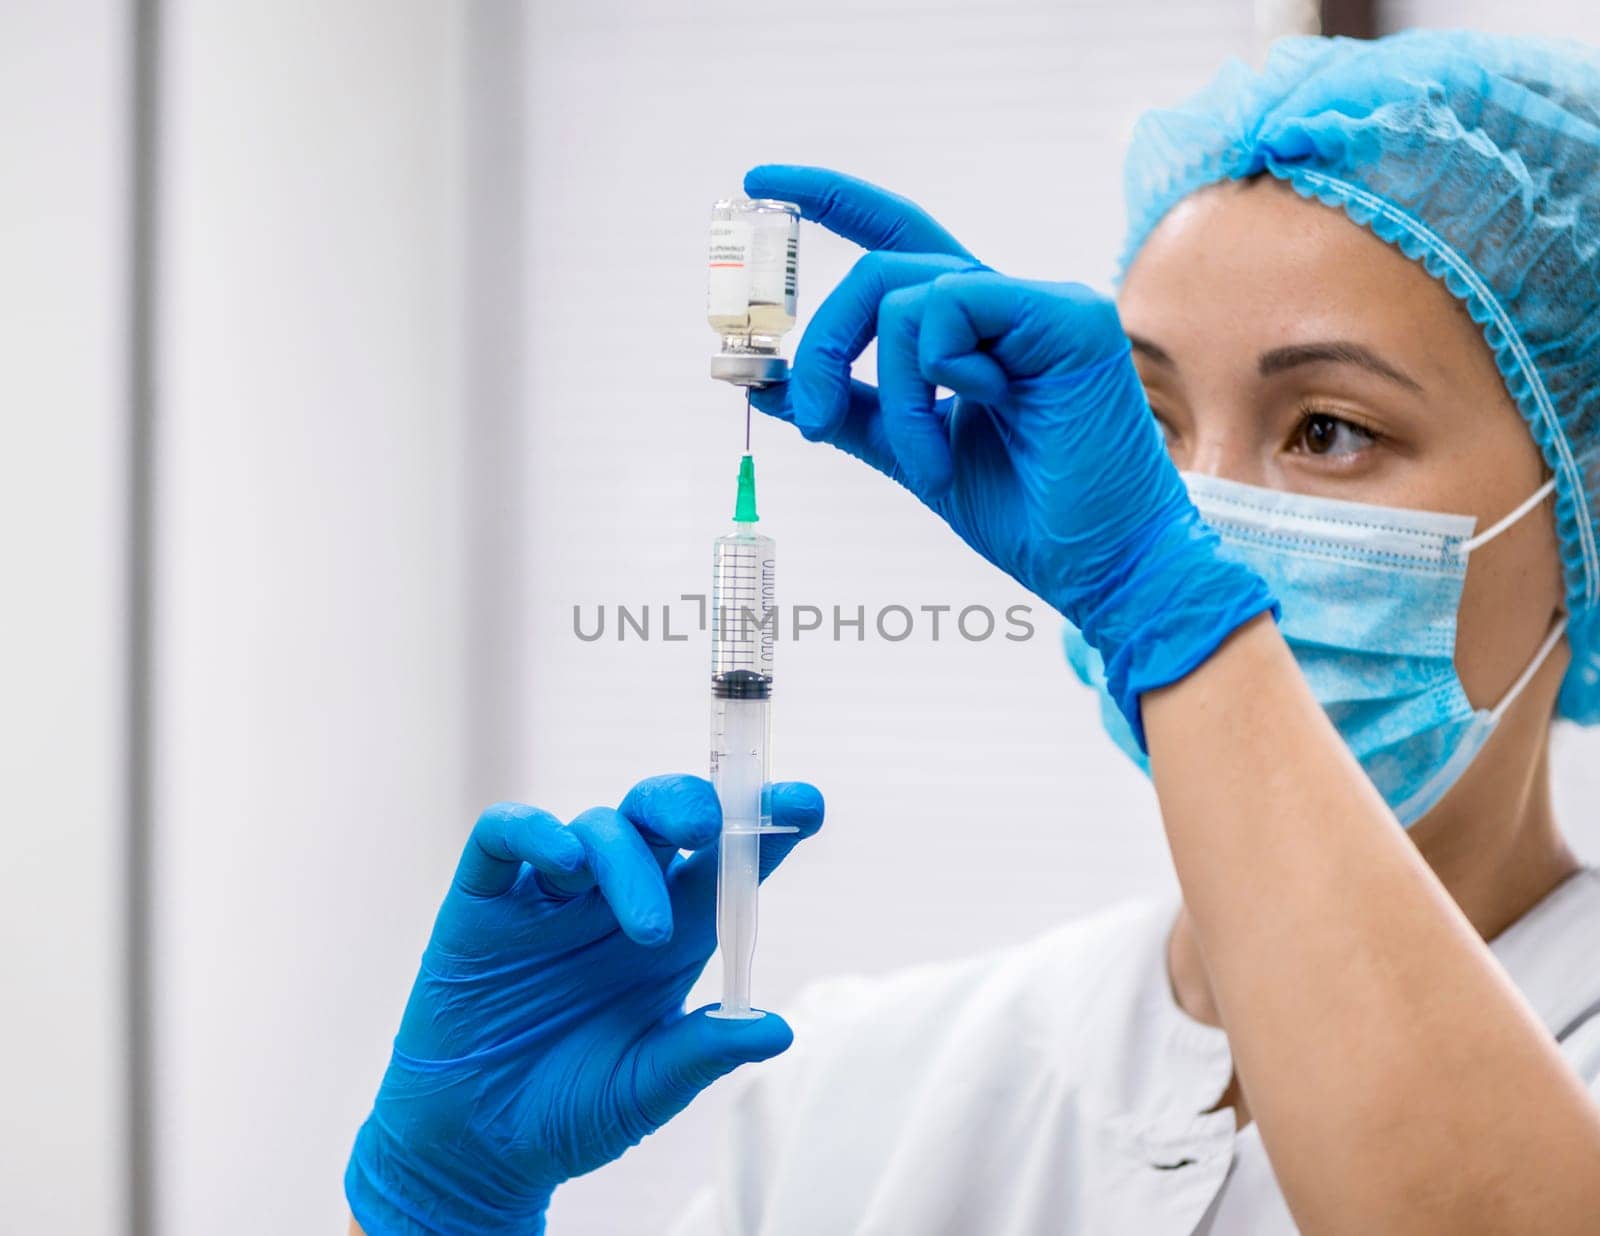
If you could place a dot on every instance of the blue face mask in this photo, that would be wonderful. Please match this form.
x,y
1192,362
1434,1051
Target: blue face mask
x,y
1370,596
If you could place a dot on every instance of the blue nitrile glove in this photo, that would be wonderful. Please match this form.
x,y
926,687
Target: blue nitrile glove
x,y
545,1033
1047,459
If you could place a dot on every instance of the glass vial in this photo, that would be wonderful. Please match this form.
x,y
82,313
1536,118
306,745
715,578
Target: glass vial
x,y
750,289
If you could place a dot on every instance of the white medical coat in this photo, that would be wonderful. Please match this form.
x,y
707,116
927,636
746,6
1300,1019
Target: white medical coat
x,y
1054,1087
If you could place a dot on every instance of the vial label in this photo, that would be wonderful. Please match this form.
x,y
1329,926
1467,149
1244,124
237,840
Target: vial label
x,y
772,268
728,287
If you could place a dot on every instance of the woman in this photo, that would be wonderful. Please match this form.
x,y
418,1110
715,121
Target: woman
x,y
1332,593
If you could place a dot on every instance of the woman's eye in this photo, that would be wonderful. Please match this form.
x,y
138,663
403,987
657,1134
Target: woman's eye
x,y
1321,434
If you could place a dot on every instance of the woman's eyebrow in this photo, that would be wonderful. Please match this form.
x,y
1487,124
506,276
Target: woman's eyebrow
x,y
1147,349
1338,352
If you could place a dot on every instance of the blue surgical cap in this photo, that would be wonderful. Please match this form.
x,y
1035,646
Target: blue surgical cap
x,y
1476,155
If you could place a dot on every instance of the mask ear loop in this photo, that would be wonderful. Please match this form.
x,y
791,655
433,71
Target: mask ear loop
x,y
1557,629
1506,700
1500,525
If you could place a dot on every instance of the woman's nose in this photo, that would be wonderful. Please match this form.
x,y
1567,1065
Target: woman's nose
x,y
1226,455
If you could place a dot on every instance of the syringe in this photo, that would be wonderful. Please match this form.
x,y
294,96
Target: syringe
x,y
743,632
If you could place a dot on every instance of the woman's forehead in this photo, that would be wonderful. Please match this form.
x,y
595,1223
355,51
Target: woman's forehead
x,y
1256,263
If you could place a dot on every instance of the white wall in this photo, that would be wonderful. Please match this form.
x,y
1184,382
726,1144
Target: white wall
x,y
1569,19
310,650
63,264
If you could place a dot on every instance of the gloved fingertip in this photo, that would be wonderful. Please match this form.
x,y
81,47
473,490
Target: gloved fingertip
x,y
651,932
757,179
690,811
988,383
798,804
773,400
746,1040
701,836
686,1054
696,789
818,406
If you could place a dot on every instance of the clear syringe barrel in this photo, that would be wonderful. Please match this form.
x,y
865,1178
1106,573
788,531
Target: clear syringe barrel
x,y
743,633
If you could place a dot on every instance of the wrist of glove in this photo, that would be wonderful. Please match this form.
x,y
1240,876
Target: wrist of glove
x,y
393,1191
1173,604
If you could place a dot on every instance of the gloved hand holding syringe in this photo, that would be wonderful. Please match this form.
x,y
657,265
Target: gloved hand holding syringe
x,y
750,303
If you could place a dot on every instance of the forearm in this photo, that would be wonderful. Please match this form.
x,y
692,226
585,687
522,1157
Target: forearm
x,y
1400,1081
